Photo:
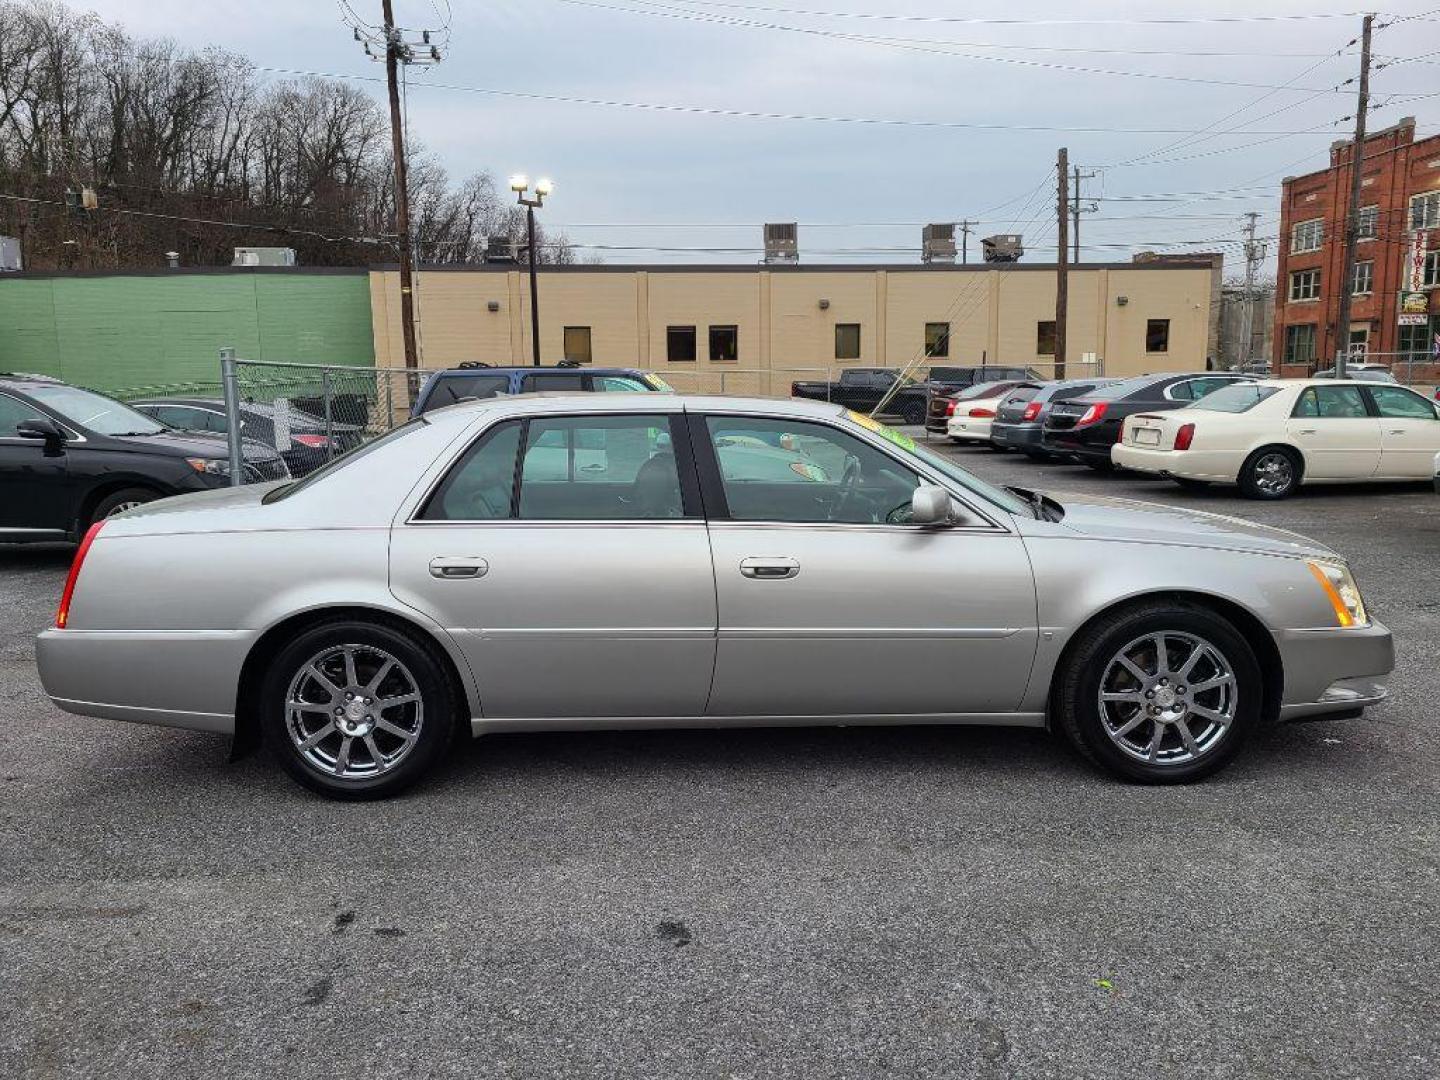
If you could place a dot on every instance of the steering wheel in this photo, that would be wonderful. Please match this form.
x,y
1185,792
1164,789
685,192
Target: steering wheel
x,y
849,482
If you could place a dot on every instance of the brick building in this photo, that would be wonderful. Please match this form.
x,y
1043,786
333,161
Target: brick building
x,y
1399,207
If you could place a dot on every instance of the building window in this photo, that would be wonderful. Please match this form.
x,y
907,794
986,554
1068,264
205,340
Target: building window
x,y
1364,278
1430,277
1045,337
577,344
1307,236
724,344
680,344
1367,223
1425,211
1305,285
1300,344
847,341
937,339
1157,335
1415,343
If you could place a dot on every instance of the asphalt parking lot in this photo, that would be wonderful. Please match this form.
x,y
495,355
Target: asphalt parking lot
x,y
755,904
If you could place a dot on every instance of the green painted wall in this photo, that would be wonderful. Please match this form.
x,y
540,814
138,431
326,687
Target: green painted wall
x,y
115,332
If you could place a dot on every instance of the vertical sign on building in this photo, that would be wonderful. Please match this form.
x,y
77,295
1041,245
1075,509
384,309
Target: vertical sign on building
x,y
1414,304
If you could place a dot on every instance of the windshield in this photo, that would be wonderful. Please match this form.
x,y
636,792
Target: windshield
x,y
1241,397
284,491
980,390
657,383
968,480
95,412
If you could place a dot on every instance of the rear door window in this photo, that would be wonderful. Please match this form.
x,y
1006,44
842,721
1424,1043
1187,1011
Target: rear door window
x,y
552,382
598,468
452,389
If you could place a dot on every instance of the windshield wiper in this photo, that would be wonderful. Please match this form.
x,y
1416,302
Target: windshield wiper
x,y
1038,506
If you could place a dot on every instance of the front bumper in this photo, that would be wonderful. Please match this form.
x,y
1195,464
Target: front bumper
x,y
1332,672
184,679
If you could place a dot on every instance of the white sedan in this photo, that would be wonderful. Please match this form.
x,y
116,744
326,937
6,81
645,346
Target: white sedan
x,y
1272,436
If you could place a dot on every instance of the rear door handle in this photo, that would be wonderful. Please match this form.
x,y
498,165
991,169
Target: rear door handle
x,y
1396,431
769,568
1306,431
458,566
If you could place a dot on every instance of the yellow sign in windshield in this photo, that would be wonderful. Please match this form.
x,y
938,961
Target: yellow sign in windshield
x,y
869,424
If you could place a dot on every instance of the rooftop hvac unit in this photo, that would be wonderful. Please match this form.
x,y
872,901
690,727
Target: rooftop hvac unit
x,y
263,256
782,245
10,254
938,243
1007,248
500,249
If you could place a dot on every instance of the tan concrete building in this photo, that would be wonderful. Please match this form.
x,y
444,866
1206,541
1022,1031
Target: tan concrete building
x,y
754,329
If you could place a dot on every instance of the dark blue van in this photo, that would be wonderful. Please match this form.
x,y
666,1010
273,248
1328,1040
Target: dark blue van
x,y
475,381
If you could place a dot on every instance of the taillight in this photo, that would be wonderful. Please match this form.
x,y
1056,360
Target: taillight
x,y
950,407
1184,437
1093,415
982,413
1031,411
62,613
315,442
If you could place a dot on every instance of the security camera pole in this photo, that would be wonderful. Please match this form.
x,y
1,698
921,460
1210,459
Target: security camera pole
x,y
520,184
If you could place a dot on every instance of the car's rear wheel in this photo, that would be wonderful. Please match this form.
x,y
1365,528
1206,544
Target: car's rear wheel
x,y
1100,465
1272,472
1160,694
913,412
357,710
117,502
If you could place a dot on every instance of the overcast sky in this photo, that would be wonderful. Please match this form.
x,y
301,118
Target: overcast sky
x,y
648,179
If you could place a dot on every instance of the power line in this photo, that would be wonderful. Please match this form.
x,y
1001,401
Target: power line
x,y
660,11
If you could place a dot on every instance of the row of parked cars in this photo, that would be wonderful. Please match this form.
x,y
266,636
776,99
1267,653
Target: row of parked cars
x,y
1267,436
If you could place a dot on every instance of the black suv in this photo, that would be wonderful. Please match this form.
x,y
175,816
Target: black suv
x,y
70,457
1087,427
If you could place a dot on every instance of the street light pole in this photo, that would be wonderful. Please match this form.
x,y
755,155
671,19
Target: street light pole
x,y
543,187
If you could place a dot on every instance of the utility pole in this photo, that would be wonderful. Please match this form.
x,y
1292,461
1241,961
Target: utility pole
x,y
1077,207
965,239
1352,209
398,51
1254,254
1062,264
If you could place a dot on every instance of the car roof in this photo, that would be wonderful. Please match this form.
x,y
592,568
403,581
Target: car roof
x,y
20,379
463,412
530,369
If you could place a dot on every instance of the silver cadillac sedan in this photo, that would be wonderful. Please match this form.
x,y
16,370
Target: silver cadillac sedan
x,y
630,561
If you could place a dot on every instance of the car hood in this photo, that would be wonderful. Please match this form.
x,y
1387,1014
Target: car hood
x,y
194,444
1107,518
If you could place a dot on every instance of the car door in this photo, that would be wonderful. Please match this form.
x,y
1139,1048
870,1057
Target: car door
x,y
1335,432
1409,432
35,490
830,603
568,557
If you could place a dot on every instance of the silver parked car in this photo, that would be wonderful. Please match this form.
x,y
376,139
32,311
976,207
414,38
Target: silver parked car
x,y
644,561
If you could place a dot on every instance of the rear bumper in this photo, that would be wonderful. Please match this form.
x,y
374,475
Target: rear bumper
x,y
1062,442
971,429
1333,672
1017,436
1187,464
184,679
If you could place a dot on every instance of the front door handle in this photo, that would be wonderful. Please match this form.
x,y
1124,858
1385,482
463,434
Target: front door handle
x,y
1396,431
458,566
1306,431
769,568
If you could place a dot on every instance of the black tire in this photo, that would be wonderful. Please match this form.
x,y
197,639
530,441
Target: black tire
x,y
1076,708
1261,476
913,412
419,662
1100,465
124,499
1191,485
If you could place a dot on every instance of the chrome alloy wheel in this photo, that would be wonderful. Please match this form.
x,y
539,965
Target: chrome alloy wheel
x,y
1274,473
1168,698
128,504
353,712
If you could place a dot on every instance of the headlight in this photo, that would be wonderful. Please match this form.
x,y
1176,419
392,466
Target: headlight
x,y
213,466
1342,592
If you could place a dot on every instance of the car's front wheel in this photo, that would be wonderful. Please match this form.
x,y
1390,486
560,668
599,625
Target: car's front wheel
x,y
1161,693
357,710
117,502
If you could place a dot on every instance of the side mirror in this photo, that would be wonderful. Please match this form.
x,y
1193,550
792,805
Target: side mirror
x,y
47,430
930,506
